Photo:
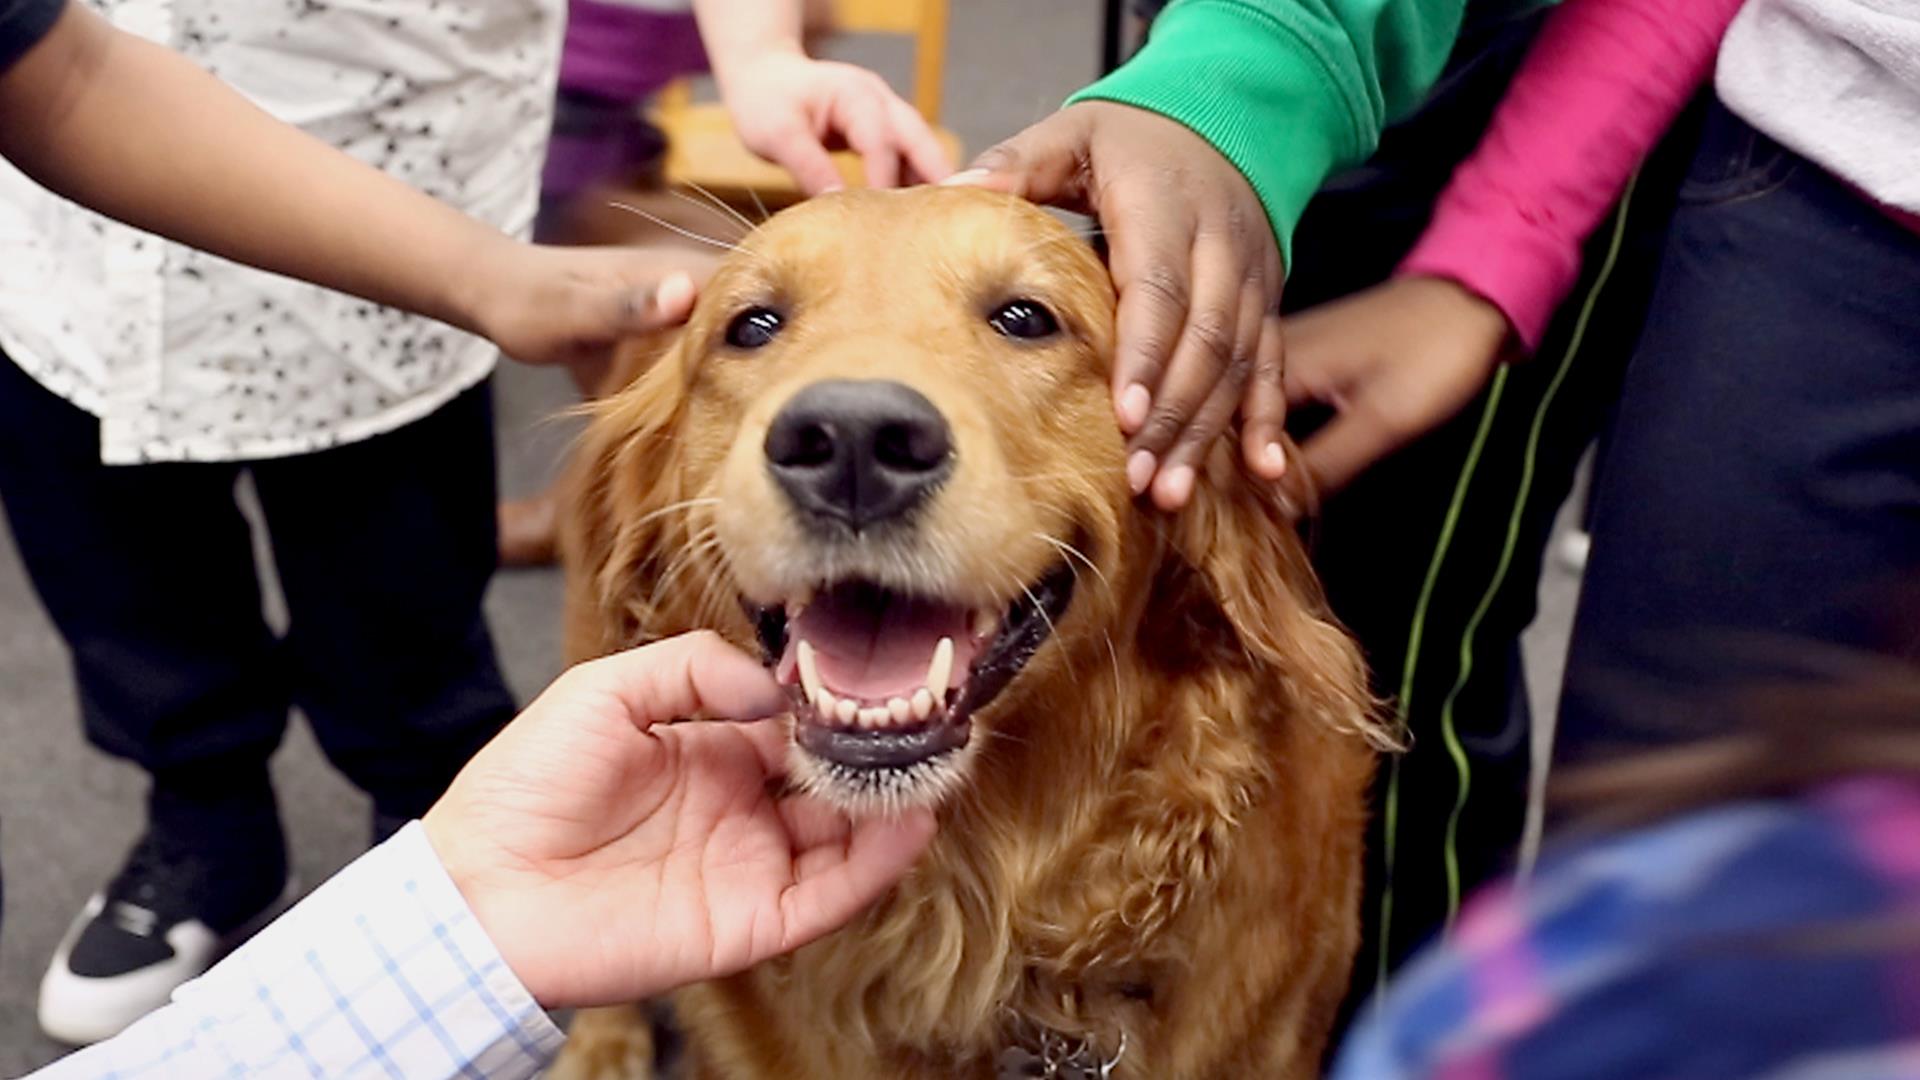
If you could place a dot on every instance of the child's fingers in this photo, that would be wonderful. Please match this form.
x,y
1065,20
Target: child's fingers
x,y
1206,354
799,152
923,152
1150,257
1264,412
862,121
1342,449
1202,427
1044,163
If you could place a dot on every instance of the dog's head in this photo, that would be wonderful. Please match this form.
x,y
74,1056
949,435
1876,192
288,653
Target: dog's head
x,y
883,449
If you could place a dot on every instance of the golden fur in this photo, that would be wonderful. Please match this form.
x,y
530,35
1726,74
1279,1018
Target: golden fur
x,y
1157,835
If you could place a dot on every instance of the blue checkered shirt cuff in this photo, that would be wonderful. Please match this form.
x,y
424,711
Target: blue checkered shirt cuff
x,y
382,972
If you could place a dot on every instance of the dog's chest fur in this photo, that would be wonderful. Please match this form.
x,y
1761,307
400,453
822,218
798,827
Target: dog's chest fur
x,y
1092,919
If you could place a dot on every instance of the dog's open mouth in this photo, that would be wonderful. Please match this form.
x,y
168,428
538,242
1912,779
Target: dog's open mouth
x,y
885,680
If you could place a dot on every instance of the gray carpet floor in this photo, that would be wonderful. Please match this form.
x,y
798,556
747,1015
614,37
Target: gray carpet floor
x,y
69,813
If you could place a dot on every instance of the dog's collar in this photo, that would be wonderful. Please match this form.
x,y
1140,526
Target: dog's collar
x,y
1041,1053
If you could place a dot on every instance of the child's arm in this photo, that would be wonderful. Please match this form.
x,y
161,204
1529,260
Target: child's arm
x,y
139,133
1601,84
1198,157
787,106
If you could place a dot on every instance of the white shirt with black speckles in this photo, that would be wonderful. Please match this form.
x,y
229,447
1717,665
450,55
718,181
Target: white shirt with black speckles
x,y
188,357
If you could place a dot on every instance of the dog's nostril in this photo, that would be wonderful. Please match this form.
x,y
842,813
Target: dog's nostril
x,y
803,446
912,446
858,451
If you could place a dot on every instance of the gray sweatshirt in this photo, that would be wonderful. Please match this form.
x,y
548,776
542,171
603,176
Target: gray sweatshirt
x,y
1837,81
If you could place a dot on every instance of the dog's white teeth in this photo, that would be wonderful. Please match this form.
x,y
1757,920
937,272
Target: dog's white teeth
x,y
922,704
941,669
984,624
809,670
899,709
823,701
846,710
874,717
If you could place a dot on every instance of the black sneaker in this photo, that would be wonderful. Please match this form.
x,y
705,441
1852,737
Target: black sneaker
x,y
170,913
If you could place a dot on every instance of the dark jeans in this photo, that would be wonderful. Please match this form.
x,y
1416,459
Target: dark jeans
x,y
1432,557
1758,504
383,547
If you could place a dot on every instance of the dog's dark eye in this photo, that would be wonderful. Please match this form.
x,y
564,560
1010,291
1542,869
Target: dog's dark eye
x,y
754,327
1024,319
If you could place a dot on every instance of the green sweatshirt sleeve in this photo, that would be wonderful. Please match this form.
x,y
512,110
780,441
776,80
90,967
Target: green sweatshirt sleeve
x,y
1287,90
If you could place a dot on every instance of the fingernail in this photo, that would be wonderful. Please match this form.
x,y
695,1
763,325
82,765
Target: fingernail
x,y
674,295
1276,459
1175,486
1135,400
1140,470
965,177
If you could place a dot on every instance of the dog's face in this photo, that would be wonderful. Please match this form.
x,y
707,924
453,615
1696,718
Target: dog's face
x,y
885,438
894,394
884,448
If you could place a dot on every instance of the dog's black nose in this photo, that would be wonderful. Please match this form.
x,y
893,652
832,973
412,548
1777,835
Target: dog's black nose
x,y
859,451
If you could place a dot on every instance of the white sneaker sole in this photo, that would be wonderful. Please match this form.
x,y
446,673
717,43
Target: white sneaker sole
x,y
80,1011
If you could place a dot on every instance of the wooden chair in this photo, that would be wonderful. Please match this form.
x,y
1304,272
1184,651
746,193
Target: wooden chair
x,y
704,151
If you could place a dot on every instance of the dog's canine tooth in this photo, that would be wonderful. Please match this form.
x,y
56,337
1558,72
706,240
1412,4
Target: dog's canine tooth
x,y
846,710
941,669
823,700
984,622
899,709
922,704
809,670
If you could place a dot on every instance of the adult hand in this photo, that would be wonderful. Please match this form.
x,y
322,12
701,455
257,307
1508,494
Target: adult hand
x,y
1394,361
612,854
568,305
1199,277
790,109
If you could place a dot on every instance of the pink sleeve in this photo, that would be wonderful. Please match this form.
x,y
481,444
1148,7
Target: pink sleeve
x,y
1599,87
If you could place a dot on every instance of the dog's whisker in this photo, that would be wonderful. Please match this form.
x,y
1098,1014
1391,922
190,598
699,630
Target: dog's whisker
x,y
703,543
673,508
759,206
704,208
722,204
1072,553
672,228
1068,474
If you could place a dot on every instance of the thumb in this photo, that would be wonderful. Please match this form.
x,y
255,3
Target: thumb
x,y
652,308
1042,163
1344,448
695,674
835,882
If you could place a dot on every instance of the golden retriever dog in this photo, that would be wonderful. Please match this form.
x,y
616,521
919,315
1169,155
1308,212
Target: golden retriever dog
x,y
882,453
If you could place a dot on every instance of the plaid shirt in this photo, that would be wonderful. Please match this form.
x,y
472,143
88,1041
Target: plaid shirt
x,y
382,972
1775,938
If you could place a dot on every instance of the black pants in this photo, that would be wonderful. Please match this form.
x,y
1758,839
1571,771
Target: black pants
x,y
1757,510
1432,558
383,547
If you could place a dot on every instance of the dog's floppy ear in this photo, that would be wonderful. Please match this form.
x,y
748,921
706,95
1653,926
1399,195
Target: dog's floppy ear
x,y
621,472
1239,537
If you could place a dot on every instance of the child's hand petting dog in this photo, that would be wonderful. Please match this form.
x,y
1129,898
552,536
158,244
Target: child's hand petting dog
x,y
1393,361
1199,276
569,305
612,854
791,109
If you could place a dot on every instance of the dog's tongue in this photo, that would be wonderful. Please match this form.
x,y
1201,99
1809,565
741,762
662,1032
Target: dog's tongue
x,y
874,645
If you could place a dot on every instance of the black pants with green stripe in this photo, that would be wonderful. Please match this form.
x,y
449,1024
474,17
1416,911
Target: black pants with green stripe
x,y
1433,556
